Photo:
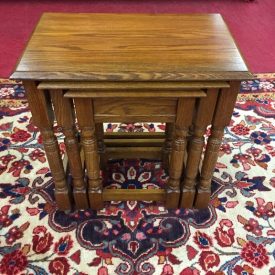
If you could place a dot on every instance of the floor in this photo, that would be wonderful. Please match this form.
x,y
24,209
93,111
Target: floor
x,y
251,23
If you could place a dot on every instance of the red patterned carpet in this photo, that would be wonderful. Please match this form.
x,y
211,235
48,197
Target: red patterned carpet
x,y
235,235
251,23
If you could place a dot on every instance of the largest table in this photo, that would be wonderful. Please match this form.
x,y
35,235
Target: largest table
x,y
135,52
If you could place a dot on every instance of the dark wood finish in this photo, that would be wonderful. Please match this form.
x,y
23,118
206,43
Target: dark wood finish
x,y
42,119
128,86
128,76
150,142
138,109
134,94
84,111
134,195
135,67
134,145
101,145
134,135
225,105
167,147
131,47
203,117
134,118
65,119
183,121
134,152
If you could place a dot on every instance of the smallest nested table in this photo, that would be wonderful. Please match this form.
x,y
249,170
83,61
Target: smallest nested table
x,y
184,70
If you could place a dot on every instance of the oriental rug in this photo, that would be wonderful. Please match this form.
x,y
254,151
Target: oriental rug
x,y
234,235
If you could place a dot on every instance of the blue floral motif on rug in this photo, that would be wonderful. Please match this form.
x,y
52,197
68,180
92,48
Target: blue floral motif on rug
x,y
234,235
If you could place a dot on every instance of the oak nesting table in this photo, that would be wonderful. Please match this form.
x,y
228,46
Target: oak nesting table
x,y
184,70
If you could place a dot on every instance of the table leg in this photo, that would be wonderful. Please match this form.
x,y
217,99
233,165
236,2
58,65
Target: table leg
x,y
65,119
203,117
167,147
41,118
222,117
84,113
101,146
183,121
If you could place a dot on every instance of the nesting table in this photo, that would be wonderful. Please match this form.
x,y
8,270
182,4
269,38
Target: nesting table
x,y
184,70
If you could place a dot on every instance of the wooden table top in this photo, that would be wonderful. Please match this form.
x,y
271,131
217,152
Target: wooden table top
x,y
131,47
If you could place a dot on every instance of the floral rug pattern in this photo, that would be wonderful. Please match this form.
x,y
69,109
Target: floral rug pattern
x,y
235,235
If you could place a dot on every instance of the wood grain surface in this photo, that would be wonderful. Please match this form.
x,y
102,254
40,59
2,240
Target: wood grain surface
x,y
63,109
129,86
222,117
43,119
183,121
112,47
134,94
134,109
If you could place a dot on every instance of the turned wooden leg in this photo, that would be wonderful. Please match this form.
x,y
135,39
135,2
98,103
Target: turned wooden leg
x,y
84,113
167,147
42,119
101,146
65,119
222,116
183,121
203,117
